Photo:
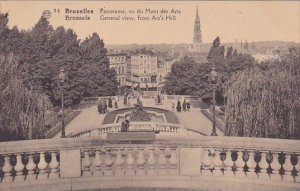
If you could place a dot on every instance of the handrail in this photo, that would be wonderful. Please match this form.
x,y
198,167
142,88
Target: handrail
x,y
251,143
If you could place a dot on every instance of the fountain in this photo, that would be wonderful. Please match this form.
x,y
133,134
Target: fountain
x,y
139,114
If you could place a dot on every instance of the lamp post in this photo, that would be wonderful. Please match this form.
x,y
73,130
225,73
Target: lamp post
x,y
214,82
61,77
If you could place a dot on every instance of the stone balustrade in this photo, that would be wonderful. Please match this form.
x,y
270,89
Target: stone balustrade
x,y
206,163
130,161
134,126
163,97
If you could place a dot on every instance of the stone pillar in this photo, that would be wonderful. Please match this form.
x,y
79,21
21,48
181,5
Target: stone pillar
x,y
70,163
190,156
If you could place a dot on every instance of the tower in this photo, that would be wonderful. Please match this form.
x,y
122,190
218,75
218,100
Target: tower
x,y
197,31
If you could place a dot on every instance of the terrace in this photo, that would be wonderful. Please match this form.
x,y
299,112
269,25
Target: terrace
x,y
206,163
180,157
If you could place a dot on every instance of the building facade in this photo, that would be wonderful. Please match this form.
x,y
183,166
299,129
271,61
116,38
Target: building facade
x,y
117,61
164,68
144,71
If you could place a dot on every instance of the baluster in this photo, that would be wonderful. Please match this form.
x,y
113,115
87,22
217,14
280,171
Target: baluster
x,y
30,168
130,162
162,162
97,164
168,129
288,168
276,166
19,167
217,163
161,128
140,162
297,178
53,166
228,163
108,163
239,163
119,163
153,127
151,162
86,164
42,165
211,156
264,165
206,163
251,165
7,169
173,162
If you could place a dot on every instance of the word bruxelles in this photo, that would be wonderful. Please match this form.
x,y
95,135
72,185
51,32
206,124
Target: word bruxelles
x,y
78,14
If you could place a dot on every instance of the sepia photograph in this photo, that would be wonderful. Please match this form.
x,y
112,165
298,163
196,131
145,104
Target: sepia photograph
x,y
149,95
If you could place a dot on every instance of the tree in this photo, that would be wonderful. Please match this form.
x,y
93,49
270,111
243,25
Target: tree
x,y
216,53
186,78
66,55
3,29
238,62
22,111
29,79
36,55
190,78
95,75
43,51
262,100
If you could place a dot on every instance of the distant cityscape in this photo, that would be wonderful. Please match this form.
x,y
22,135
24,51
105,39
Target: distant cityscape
x,y
143,67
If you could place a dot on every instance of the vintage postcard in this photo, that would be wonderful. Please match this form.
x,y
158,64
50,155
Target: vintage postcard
x,y
149,95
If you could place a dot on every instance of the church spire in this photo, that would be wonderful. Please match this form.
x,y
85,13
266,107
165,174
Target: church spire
x,y
197,19
197,31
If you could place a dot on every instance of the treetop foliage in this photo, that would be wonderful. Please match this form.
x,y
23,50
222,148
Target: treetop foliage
x,y
43,50
29,79
22,110
262,100
190,78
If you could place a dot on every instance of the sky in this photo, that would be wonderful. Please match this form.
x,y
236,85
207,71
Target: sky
x,y
230,20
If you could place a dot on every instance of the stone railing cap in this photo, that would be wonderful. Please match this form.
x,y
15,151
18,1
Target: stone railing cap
x,y
244,143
